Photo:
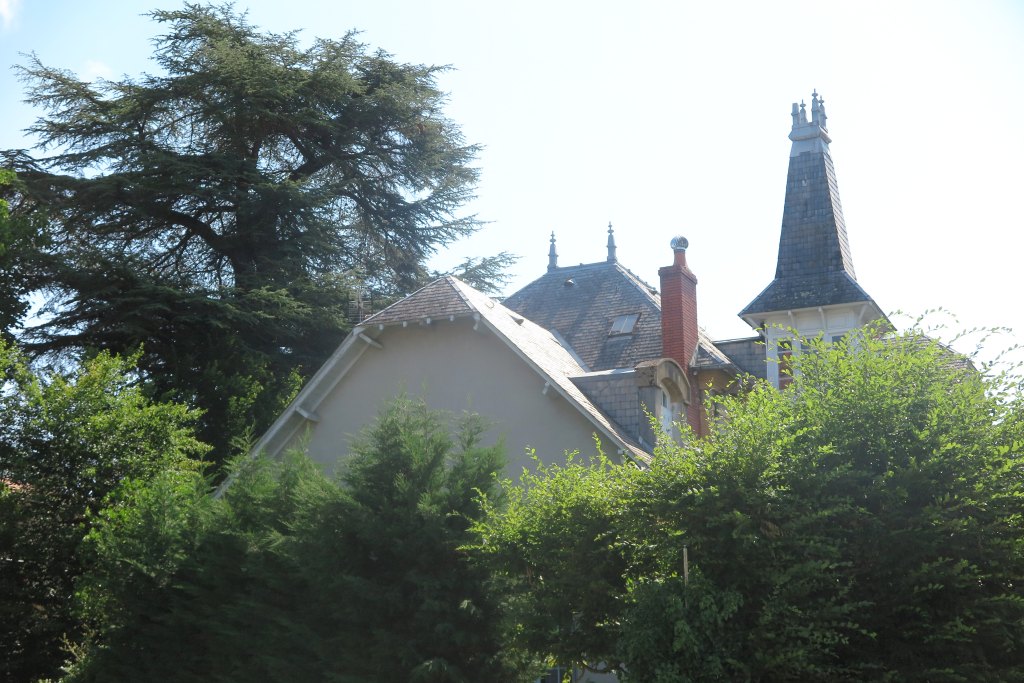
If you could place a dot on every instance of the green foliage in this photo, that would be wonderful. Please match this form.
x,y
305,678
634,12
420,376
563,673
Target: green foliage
x,y
188,587
488,274
292,576
223,214
680,630
67,444
863,524
919,456
554,550
403,595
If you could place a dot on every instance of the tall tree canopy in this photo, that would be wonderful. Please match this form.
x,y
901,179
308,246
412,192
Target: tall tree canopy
x,y
865,524
222,213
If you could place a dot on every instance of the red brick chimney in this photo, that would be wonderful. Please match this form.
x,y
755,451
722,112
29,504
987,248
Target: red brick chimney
x,y
679,324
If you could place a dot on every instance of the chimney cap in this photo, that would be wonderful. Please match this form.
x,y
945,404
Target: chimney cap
x,y
679,243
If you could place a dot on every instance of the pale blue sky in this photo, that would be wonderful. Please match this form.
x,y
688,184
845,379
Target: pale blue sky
x,y
671,118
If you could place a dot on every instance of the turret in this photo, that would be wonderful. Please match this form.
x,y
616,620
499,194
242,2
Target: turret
x,y
815,289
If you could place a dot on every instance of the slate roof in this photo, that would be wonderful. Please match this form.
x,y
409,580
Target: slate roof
x,y
951,358
440,299
820,289
814,266
748,354
710,356
580,303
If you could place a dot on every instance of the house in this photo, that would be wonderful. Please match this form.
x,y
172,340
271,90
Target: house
x,y
591,349
462,351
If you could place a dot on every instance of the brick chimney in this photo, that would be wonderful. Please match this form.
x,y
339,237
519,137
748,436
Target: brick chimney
x,y
679,323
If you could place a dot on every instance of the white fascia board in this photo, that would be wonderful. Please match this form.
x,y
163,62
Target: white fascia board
x,y
782,316
309,398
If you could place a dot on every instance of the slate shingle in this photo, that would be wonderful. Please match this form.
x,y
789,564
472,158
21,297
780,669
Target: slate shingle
x,y
814,265
748,354
581,302
818,289
439,299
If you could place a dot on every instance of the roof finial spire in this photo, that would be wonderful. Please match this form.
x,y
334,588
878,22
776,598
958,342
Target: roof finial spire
x,y
809,135
611,243
552,254
822,119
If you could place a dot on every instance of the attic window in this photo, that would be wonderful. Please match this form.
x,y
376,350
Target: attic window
x,y
623,324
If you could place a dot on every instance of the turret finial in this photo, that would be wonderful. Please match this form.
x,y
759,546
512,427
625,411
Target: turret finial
x,y
806,135
552,254
611,243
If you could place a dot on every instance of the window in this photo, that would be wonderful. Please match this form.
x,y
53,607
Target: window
x,y
786,350
623,324
667,414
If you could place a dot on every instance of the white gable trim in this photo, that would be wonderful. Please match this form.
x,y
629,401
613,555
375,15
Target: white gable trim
x,y
288,425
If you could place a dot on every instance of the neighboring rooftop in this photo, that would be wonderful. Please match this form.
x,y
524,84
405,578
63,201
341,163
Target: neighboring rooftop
x,y
710,356
581,303
587,306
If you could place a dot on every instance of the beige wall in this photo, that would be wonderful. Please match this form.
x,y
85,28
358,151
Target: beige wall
x,y
455,368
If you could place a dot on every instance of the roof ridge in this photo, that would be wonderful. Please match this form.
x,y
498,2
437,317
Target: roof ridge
x,y
431,302
457,285
647,289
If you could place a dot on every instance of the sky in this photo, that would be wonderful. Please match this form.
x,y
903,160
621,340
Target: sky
x,y
671,118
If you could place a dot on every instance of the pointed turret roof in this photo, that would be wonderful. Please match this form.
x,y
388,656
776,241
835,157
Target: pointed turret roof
x,y
814,266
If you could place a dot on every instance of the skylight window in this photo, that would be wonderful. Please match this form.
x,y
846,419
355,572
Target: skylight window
x,y
623,324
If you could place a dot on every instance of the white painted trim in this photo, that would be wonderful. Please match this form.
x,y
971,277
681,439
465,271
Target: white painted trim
x,y
308,414
369,340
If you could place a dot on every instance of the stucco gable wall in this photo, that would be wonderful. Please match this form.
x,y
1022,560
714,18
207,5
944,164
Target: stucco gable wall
x,y
456,369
